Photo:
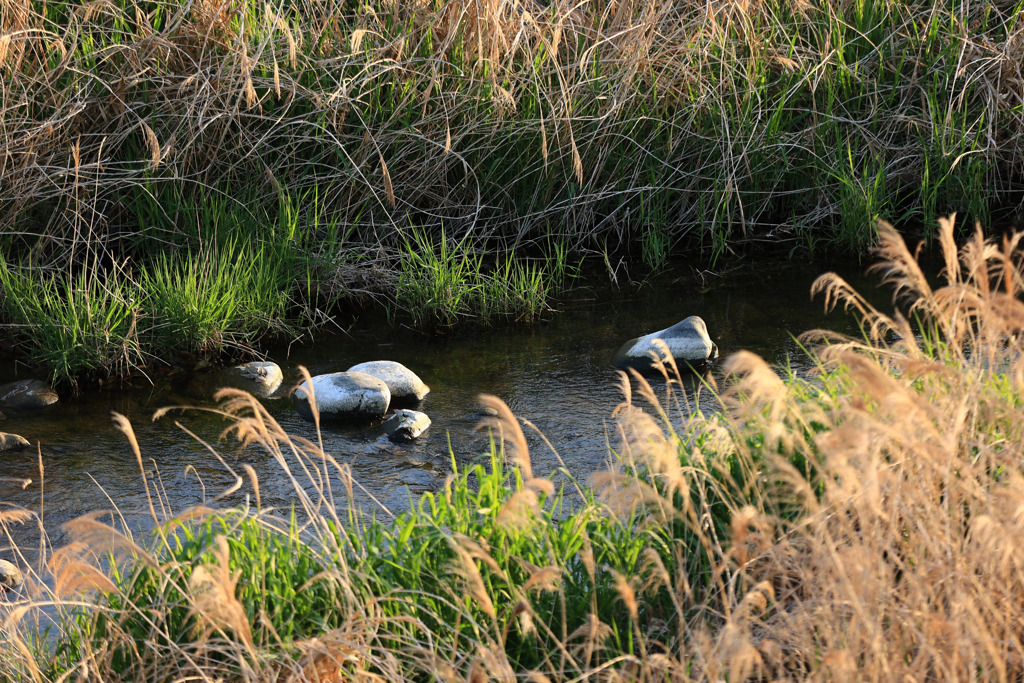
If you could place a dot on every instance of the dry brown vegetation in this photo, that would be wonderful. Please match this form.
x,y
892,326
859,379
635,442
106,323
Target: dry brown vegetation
x,y
861,526
667,121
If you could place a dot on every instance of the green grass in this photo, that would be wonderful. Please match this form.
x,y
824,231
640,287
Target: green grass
x,y
442,283
223,298
84,325
280,583
496,559
108,322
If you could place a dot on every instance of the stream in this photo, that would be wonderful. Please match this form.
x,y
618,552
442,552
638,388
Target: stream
x,y
556,374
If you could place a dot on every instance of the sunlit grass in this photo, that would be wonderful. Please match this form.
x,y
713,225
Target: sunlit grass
x,y
447,282
226,297
79,325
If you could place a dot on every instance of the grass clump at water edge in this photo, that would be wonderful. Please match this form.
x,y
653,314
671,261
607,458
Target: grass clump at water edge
x,y
74,325
859,525
443,283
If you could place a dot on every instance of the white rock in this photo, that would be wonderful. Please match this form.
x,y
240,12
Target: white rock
x,y
687,341
404,384
27,394
261,378
12,442
352,396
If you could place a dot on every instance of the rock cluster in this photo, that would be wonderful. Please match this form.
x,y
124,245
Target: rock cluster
x,y
365,393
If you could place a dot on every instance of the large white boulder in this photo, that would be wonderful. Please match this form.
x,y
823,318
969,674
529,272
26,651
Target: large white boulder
x,y
687,342
351,396
404,384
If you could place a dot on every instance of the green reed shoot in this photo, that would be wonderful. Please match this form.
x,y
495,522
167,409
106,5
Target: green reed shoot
x,y
82,325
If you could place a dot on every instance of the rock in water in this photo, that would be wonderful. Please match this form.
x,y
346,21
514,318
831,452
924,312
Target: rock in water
x,y
10,576
27,394
352,396
687,341
404,384
406,425
259,378
13,442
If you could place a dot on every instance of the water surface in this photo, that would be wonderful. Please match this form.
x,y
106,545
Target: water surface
x,y
556,374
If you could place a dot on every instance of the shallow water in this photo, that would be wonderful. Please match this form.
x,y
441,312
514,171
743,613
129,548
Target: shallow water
x,y
556,374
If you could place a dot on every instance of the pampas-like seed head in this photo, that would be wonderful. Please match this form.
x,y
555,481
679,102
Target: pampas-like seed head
x,y
509,432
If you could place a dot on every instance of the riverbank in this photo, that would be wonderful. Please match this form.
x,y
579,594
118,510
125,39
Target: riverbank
x,y
274,165
860,525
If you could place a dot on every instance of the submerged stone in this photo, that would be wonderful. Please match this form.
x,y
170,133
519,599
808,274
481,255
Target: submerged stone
x,y
27,394
406,425
10,576
352,396
403,383
686,341
261,378
13,442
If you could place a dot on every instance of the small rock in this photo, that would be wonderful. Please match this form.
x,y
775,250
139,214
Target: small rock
x,y
258,378
406,425
353,396
13,442
687,341
10,576
27,394
261,378
403,383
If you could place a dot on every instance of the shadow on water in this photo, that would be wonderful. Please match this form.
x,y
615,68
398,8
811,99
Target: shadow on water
x,y
557,375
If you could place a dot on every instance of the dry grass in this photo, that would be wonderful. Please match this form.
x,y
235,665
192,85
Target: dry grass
x,y
611,119
878,539
864,526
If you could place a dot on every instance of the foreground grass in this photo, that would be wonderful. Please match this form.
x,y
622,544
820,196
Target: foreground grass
x,y
863,525
524,133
